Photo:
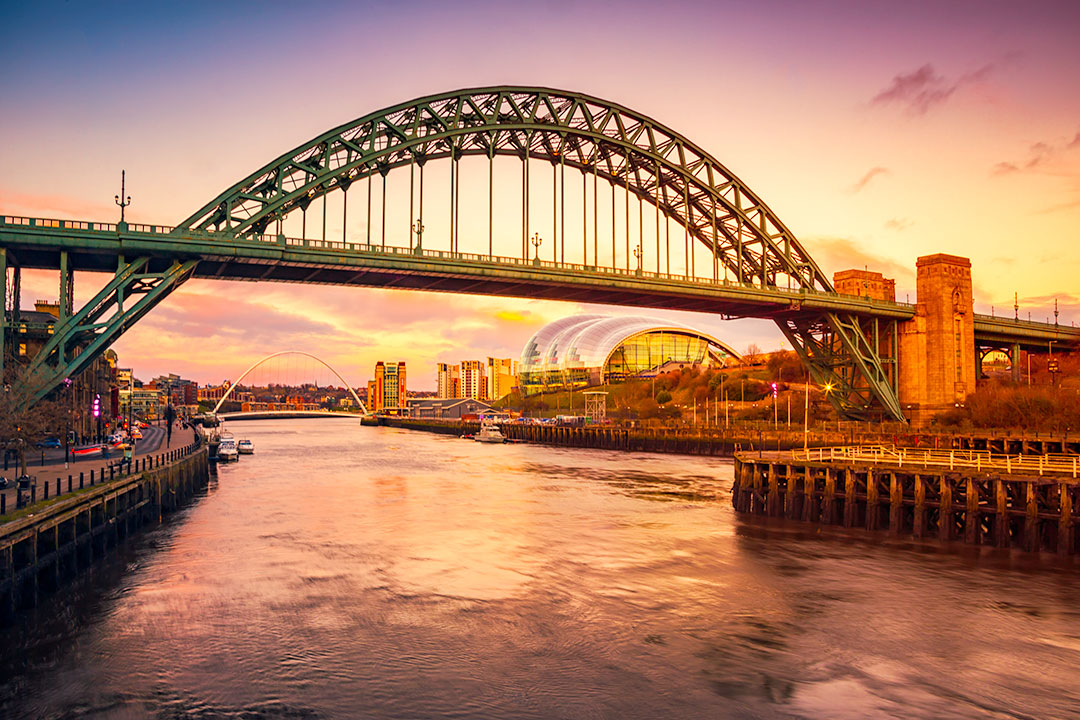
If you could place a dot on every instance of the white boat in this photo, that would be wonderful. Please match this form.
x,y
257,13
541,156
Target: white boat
x,y
489,433
245,447
227,451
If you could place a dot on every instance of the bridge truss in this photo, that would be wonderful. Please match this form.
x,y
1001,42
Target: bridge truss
x,y
754,264
720,215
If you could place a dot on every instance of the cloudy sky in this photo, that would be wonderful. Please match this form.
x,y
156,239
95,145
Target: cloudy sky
x,y
878,131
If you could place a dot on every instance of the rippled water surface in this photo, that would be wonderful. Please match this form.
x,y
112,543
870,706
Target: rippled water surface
x,y
349,572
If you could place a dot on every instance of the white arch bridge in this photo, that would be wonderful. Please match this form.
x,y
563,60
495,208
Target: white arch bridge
x,y
290,413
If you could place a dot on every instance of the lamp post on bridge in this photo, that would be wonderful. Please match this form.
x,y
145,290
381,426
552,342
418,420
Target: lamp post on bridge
x,y
122,200
419,230
536,242
638,253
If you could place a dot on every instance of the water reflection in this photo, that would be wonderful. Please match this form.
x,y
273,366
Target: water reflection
x,y
352,572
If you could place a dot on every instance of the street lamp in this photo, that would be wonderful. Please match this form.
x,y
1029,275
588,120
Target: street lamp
x,y
638,254
122,199
418,228
536,242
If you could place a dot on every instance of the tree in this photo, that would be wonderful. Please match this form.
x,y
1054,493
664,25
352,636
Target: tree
x,y
663,397
752,354
22,421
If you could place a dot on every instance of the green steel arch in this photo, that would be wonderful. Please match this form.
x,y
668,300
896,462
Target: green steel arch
x,y
624,147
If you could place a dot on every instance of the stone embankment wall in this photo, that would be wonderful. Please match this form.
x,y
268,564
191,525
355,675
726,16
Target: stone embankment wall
x,y
52,543
726,441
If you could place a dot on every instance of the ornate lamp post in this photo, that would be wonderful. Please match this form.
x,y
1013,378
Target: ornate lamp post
x,y
536,242
638,254
122,200
419,230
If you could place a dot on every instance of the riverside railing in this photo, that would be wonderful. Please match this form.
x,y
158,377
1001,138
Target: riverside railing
x,y
107,472
978,460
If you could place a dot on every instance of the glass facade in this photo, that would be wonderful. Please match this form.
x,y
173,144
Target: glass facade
x,y
585,350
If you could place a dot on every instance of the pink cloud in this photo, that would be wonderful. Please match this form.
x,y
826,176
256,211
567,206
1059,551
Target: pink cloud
x,y
870,175
839,253
1039,154
922,89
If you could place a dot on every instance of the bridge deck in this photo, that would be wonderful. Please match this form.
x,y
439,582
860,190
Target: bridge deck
x,y
92,247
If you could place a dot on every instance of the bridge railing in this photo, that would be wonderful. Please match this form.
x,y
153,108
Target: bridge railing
x,y
84,225
344,246
1017,322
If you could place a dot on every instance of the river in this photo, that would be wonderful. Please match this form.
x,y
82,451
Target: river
x,y
353,572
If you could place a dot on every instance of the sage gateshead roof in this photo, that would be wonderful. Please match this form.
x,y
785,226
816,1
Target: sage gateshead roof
x,y
587,350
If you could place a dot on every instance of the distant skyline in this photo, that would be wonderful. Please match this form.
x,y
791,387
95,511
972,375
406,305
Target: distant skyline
x,y
877,131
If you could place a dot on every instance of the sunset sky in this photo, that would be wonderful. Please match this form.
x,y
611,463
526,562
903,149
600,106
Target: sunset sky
x,y
878,131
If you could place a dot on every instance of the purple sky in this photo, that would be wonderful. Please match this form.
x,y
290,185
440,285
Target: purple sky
x,y
877,131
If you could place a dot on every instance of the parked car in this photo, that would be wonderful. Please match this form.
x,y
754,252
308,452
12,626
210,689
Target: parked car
x,y
49,443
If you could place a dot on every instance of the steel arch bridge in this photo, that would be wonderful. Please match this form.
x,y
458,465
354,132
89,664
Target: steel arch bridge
x,y
271,356
737,258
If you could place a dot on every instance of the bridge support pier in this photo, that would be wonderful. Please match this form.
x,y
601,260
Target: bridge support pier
x,y
937,346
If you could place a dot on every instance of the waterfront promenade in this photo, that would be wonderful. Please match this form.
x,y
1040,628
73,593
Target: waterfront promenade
x,y
51,473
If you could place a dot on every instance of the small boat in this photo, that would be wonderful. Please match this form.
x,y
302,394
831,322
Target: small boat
x,y
227,451
489,433
245,447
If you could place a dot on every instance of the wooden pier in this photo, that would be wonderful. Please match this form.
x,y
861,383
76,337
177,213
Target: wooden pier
x,y
971,498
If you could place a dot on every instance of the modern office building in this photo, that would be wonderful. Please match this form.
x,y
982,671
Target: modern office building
x,y
390,389
589,350
448,381
501,377
473,380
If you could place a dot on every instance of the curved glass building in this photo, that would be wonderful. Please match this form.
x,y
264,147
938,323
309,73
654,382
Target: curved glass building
x,y
586,350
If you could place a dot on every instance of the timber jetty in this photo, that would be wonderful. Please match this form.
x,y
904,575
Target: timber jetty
x,y
972,496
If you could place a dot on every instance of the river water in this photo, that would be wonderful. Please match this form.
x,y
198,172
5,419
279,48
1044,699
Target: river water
x,y
352,572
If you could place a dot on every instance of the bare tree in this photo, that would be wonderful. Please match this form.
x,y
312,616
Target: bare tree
x,y
752,354
23,421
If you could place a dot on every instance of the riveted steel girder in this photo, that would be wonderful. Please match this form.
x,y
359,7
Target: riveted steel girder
x,y
78,339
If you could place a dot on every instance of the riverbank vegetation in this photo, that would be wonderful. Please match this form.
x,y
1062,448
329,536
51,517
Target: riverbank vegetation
x,y
1040,401
696,394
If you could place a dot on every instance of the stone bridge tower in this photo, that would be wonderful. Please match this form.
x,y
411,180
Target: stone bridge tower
x,y
937,347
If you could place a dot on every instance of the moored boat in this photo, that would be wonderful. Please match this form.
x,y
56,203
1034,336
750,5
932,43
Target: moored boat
x,y
489,433
245,447
227,451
